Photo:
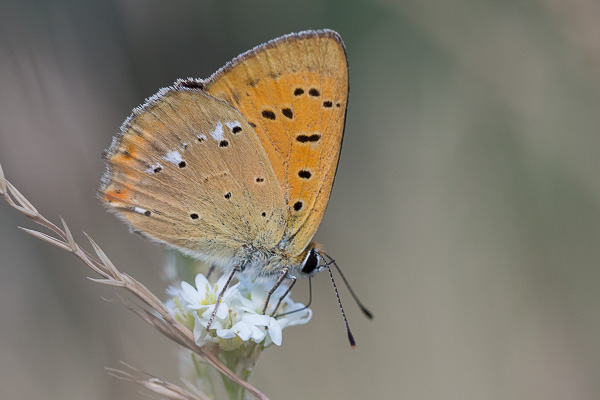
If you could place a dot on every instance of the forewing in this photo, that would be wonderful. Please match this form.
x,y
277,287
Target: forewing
x,y
293,91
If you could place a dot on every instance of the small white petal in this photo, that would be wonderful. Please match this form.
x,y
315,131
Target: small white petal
x,y
189,293
201,282
216,324
222,311
221,283
256,319
297,318
275,332
242,330
206,314
200,333
258,334
248,304
225,333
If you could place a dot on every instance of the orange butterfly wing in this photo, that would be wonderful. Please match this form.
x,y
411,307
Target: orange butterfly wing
x,y
189,171
293,90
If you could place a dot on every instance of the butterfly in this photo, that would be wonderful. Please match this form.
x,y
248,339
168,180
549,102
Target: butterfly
x,y
237,169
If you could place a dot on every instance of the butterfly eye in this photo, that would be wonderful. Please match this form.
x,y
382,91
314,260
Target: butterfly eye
x,y
311,262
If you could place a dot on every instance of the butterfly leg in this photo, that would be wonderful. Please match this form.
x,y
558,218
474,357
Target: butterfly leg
x,y
211,269
305,306
284,273
221,293
293,279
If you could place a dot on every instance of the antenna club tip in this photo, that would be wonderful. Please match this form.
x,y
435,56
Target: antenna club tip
x,y
351,339
367,313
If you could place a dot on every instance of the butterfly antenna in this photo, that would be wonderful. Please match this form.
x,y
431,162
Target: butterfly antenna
x,y
309,292
305,306
221,293
337,295
331,261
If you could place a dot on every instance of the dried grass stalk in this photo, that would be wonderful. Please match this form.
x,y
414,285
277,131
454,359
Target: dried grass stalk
x,y
163,321
157,385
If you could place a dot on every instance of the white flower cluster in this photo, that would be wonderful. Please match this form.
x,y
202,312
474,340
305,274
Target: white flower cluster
x,y
239,318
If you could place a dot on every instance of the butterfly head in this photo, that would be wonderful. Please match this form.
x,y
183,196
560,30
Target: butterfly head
x,y
311,263
303,265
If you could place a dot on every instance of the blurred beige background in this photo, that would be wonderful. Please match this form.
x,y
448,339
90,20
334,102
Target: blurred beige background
x,y
466,210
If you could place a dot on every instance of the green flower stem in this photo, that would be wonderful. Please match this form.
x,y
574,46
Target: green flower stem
x,y
241,361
